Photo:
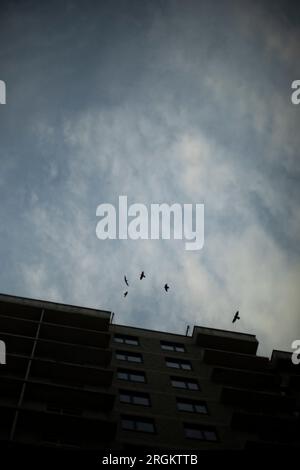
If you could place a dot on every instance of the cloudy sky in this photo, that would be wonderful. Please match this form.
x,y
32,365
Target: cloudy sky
x,y
162,101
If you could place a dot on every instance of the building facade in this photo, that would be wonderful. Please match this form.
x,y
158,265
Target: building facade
x,y
74,380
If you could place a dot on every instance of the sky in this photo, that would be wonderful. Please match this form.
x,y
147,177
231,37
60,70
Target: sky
x,y
164,101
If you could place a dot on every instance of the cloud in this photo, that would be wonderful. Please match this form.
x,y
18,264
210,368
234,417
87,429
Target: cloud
x,y
171,104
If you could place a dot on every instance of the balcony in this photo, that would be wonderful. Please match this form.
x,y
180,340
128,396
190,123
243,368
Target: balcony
x,y
271,446
31,309
13,308
282,361
211,338
17,325
96,320
38,395
72,353
63,430
258,401
246,379
17,344
234,360
10,391
7,415
74,335
269,428
15,366
295,382
73,374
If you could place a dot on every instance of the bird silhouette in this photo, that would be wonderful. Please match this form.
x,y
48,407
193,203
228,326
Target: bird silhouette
x,y
236,317
126,282
187,330
166,287
142,275
125,293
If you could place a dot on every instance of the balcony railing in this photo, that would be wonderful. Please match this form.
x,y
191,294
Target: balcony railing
x,y
252,400
246,378
234,360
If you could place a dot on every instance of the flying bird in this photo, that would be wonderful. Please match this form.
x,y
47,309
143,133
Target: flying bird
x,y
126,282
125,293
166,287
236,317
142,275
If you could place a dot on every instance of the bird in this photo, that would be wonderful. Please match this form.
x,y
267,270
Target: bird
x,y
126,282
166,287
187,330
142,275
236,317
125,293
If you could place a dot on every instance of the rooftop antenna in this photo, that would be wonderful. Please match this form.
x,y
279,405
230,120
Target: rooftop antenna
x,y
187,330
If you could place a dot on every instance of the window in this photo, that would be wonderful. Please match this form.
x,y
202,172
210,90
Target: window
x,y
178,364
201,433
129,357
130,423
134,398
123,339
186,384
131,376
191,406
176,347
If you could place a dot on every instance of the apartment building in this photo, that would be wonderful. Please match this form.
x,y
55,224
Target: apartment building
x,y
74,380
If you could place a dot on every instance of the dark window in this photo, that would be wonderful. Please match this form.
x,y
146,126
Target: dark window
x,y
191,406
123,375
131,423
210,435
128,424
178,364
184,406
186,384
141,400
131,376
129,357
124,339
201,433
176,347
135,377
192,386
134,398
125,397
